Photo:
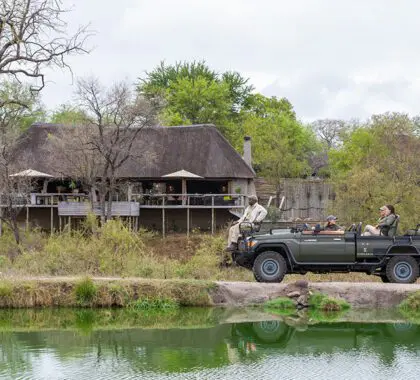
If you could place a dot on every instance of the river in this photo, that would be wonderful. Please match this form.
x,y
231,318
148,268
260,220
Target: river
x,y
202,344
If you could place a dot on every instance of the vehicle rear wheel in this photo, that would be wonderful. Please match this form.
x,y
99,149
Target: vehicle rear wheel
x,y
269,266
402,270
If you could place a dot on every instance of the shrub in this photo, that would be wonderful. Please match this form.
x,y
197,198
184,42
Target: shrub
x,y
411,303
319,301
85,291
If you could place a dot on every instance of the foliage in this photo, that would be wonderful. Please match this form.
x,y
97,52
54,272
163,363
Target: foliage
x,y
378,164
157,303
323,302
282,303
85,291
194,93
411,304
68,114
281,145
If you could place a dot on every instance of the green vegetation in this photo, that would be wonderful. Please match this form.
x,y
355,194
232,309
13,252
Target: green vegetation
x,y
280,304
410,307
147,304
85,291
115,250
322,302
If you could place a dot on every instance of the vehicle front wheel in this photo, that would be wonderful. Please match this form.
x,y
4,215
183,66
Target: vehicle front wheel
x,y
269,266
402,270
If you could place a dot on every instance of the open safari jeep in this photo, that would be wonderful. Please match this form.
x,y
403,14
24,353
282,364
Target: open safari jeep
x,y
279,252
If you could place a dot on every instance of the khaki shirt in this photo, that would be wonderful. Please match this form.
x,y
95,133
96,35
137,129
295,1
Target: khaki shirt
x,y
254,214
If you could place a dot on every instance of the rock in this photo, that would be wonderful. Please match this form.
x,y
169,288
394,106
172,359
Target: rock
x,y
301,284
293,294
302,301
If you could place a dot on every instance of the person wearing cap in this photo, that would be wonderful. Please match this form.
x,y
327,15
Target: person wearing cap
x,y
332,224
254,213
385,222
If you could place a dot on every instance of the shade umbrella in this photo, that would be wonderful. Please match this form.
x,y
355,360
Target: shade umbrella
x,y
184,175
32,174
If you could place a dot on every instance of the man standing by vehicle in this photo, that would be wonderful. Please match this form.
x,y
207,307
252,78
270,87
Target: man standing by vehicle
x,y
254,213
332,224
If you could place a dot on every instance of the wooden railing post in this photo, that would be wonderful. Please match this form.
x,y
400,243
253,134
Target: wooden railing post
x,y
163,217
212,215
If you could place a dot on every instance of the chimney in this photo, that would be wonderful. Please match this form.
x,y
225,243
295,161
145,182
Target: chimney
x,y
247,151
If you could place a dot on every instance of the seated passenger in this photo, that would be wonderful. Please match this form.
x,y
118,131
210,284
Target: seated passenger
x,y
332,224
254,213
386,223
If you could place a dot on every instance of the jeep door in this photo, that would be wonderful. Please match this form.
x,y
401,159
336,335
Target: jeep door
x,y
325,247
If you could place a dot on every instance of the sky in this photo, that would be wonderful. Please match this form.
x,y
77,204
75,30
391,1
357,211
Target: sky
x,y
345,59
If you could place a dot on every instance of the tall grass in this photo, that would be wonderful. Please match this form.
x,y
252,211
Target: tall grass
x,y
115,250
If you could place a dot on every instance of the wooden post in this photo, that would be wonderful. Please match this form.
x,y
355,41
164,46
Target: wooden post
x,y
188,217
52,215
59,223
163,217
69,223
137,223
1,221
27,217
212,214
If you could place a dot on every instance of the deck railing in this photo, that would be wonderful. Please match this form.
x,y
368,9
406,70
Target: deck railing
x,y
190,200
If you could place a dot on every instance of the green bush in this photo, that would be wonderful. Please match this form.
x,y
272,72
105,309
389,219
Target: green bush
x,y
319,301
6,289
85,291
411,303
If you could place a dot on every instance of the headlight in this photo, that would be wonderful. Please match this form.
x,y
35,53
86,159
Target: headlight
x,y
252,243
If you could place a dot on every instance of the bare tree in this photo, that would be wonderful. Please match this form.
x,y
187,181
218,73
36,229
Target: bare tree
x,y
99,148
329,131
35,36
14,190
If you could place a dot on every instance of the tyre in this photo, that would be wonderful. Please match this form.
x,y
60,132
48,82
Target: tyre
x,y
270,331
269,266
402,270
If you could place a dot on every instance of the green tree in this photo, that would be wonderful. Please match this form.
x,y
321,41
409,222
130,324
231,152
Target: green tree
x,y
68,115
194,93
281,146
378,164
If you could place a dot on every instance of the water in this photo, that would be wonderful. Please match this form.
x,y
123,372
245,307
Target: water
x,y
203,344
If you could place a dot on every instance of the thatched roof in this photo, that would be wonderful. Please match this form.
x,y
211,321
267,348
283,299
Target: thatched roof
x,y
157,151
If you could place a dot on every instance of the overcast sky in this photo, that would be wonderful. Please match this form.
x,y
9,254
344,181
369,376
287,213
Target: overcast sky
x,y
330,58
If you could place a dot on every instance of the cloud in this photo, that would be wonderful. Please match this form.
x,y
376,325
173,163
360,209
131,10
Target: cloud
x,y
348,58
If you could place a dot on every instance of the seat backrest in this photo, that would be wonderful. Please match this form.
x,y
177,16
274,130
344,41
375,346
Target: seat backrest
x,y
394,226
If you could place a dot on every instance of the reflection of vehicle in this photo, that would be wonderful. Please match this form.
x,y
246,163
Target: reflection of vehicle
x,y
329,337
272,255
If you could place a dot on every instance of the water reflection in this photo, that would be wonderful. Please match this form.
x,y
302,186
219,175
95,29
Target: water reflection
x,y
197,343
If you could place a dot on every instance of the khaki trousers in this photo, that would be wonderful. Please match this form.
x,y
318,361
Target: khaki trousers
x,y
371,231
234,234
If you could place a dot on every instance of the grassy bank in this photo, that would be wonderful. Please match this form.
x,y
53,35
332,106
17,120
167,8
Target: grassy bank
x,y
136,294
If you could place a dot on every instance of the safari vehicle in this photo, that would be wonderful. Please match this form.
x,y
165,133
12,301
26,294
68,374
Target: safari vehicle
x,y
299,250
